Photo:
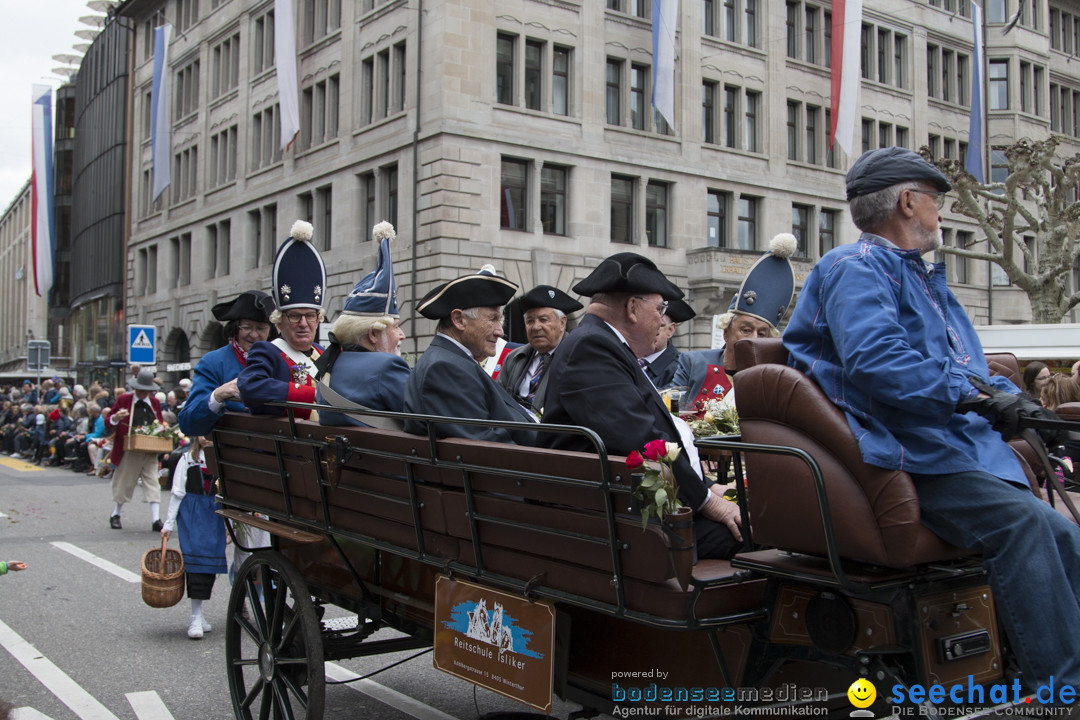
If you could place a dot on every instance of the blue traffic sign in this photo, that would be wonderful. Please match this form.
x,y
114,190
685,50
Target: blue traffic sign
x,y
141,344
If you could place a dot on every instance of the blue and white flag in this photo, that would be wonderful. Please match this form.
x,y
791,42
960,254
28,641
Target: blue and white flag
x,y
285,58
160,146
665,16
974,164
42,243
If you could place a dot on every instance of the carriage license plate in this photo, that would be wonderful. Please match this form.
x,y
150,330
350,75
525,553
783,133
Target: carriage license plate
x,y
496,640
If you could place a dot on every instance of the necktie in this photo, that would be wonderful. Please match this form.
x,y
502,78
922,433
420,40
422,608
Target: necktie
x,y
643,363
535,380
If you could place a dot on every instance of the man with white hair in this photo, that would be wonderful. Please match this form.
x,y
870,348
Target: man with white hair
x,y
524,371
363,364
284,369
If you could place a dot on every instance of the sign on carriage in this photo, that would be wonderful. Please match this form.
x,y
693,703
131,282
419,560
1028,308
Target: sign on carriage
x,y
499,641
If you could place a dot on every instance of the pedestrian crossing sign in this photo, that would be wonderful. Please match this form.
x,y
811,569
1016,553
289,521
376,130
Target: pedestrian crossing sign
x,y
141,344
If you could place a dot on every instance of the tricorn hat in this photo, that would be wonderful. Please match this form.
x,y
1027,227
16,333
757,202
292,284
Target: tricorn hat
x,y
145,381
299,275
482,289
376,293
767,289
680,311
248,305
878,169
628,272
543,296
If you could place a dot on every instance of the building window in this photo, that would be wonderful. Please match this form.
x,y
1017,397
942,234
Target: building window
x,y
708,17
318,209
999,85
262,236
266,138
504,69
184,174
792,130
390,172
222,167
614,91
813,134
800,228
553,199
218,249
183,268
750,36
730,31
151,270
319,107
187,90
560,80
999,166
187,14
885,136
867,134
156,20
826,231
368,197
747,223
731,103
708,112
656,213
793,30
866,55
148,205
321,17
901,136
382,86
963,240
753,102
810,32
225,66
639,82
534,73
514,194
622,209
996,11
1038,76
717,205
262,42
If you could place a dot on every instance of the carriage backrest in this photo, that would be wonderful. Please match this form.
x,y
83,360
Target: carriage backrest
x,y
875,512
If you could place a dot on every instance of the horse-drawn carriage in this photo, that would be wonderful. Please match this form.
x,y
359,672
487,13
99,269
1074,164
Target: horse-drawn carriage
x,y
530,573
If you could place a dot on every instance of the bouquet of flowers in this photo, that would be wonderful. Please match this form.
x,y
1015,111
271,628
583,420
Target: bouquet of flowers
x,y
657,491
717,418
161,430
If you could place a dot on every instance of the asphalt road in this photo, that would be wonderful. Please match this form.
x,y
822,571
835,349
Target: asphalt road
x,y
78,643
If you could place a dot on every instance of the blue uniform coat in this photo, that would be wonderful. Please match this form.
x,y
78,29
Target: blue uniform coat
x,y
373,379
216,368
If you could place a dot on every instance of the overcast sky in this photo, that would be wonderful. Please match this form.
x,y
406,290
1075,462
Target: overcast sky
x,y
34,31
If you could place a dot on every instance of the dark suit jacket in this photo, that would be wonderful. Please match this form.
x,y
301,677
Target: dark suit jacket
x,y
662,369
448,382
595,381
124,402
515,368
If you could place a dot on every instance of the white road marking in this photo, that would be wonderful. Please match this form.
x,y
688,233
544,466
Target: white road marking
x,y
399,701
53,678
2,515
148,705
95,560
28,713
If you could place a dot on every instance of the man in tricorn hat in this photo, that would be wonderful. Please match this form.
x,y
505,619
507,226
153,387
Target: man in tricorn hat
x,y
756,311
596,381
448,379
247,321
878,329
661,364
524,371
284,370
363,364
131,410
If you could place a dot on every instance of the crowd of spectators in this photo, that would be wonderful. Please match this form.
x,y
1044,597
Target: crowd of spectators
x,y
59,425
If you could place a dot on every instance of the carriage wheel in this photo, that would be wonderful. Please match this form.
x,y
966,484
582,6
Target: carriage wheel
x,y
273,643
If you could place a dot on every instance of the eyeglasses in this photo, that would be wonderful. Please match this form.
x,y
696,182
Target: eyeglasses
x,y
260,328
663,303
939,196
294,318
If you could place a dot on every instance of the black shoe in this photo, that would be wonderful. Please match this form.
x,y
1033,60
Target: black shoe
x,y
114,522
156,527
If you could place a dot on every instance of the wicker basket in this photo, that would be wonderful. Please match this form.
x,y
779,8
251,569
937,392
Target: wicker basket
x,y
147,443
162,576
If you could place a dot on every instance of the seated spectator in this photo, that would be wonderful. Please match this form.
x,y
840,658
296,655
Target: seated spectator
x,y
1059,389
448,379
1036,376
363,363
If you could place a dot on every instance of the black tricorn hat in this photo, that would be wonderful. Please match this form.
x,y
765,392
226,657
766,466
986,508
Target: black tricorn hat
x,y
249,305
628,272
878,169
680,311
543,296
482,289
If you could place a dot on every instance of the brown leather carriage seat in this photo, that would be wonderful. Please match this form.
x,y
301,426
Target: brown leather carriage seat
x,y
874,512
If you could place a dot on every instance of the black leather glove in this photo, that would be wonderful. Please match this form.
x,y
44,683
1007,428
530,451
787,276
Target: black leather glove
x,y
1006,411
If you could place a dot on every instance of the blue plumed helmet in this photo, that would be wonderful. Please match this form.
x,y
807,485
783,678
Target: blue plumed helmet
x,y
767,289
376,293
299,273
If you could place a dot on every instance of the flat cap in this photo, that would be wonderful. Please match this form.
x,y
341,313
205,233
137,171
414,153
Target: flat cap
x,y
878,169
543,296
628,272
482,289
680,311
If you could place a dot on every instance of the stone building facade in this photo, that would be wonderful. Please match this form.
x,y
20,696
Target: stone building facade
x,y
521,133
24,312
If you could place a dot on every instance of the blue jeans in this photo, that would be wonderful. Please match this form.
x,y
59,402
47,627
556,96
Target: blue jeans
x,y
1032,556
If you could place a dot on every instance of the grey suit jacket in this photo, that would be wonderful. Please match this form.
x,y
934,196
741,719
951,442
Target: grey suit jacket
x,y
448,382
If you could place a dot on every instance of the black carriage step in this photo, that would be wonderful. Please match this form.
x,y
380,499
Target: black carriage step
x,y
274,527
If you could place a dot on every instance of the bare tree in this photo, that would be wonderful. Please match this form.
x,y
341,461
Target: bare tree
x,y
1037,200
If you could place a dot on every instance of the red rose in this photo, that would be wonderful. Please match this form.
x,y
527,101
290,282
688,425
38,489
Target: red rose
x,y
634,460
655,449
